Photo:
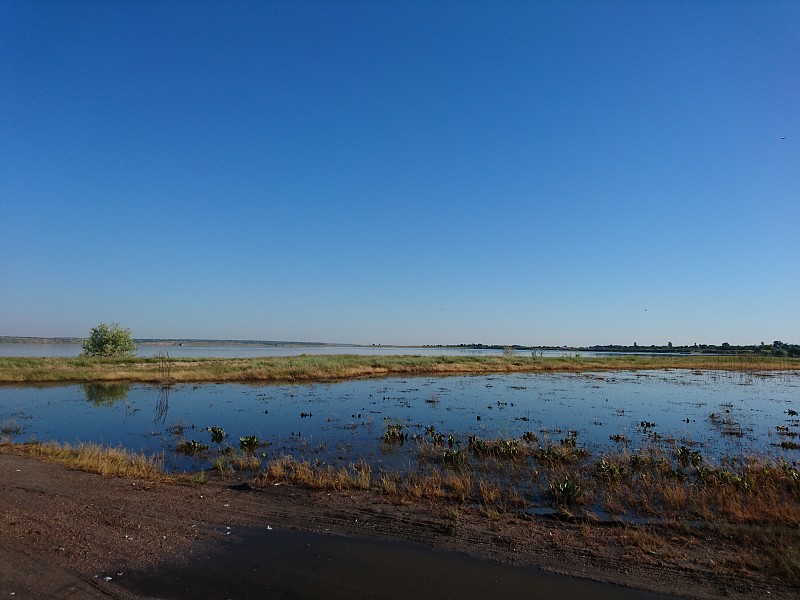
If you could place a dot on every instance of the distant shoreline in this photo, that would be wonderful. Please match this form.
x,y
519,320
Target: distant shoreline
x,y
177,342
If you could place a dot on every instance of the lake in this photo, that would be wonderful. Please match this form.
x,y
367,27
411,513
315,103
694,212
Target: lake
x,y
723,413
242,351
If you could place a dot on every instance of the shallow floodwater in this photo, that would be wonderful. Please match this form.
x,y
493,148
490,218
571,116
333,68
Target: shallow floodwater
x,y
277,564
724,413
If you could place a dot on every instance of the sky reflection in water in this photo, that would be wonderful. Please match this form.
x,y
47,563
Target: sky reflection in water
x,y
345,421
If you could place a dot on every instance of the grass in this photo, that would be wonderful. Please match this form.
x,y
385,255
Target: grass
x,y
302,473
309,367
747,503
93,458
106,461
663,482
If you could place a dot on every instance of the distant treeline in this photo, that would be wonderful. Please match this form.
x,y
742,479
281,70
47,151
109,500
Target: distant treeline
x,y
777,348
11,339
207,342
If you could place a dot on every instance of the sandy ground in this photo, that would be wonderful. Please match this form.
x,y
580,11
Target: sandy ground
x,y
65,533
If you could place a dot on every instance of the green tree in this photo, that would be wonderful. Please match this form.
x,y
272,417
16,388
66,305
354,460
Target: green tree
x,y
109,340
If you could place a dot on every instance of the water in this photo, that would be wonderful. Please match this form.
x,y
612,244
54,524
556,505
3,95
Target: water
x,y
344,567
722,413
242,351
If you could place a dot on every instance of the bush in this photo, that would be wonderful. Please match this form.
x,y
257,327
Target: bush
x,y
109,340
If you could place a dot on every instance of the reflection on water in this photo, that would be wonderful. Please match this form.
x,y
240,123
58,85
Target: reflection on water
x,y
162,405
720,413
106,393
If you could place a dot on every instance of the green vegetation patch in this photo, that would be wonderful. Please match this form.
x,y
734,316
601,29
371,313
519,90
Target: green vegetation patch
x,y
310,367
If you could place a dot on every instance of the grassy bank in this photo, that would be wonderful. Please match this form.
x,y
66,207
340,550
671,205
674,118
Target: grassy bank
x,y
664,482
104,460
337,367
658,501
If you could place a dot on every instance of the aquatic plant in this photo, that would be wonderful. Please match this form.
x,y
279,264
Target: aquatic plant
x,y
552,453
248,442
501,449
437,438
217,434
564,493
688,457
506,448
477,445
568,442
190,447
454,458
394,433
608,470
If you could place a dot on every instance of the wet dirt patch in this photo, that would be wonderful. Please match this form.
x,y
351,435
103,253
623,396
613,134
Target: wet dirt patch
x,y
280,563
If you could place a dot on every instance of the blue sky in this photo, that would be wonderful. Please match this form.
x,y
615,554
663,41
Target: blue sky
x,y
402,172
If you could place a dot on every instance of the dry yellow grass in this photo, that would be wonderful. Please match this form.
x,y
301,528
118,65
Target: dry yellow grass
x,y
93,458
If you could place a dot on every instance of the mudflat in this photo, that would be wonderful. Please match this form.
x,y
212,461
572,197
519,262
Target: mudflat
x,y
68,533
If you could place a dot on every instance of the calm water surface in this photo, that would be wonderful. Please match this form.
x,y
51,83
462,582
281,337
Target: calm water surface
x,y
238,351
725,413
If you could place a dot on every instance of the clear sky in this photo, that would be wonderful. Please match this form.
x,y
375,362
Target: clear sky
x,y
402,172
